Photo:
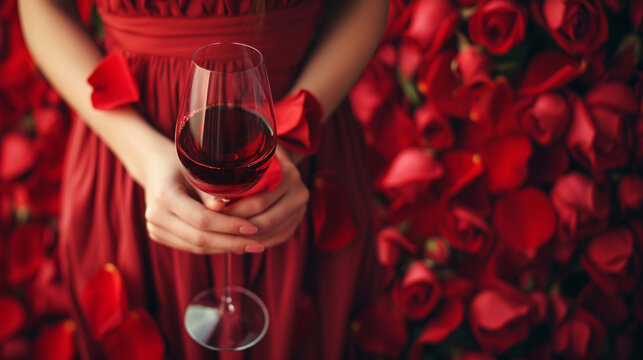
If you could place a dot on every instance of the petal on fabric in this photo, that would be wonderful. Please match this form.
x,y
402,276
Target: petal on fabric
x,y
298,120
333,222
138,337
13,316
17,155
461,167
525,219
104,301
113,83
56,342
506,160
269,181
380,329
550,70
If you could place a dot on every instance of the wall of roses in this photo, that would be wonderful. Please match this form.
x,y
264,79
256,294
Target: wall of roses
x,y
505,142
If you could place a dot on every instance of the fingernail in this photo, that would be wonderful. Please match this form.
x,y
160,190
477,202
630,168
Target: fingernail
x,y
254,248
248,229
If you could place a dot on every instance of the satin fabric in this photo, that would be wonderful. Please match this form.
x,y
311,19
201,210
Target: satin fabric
x,y
102,217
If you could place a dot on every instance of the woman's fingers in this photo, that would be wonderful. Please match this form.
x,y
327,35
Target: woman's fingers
x,y
171,230
293,203
198,216
257,203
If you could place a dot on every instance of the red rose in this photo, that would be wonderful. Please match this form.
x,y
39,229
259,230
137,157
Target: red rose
x,y
468,231
615,5
582,208
17,155
474,67
419,291
550,70
411,173
611,262
390,246
26,251
431,24
435,128
506,159
380,329
371,91
579,336
391,131
546,118
13,317
437,249
498,25
579,27
438,327
500,317
610,309
438,83
57,341
630,192
600,135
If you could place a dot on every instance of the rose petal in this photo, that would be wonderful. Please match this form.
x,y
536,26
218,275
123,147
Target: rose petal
x,y
549,70
113,83
435,128
26,252
333,223
17,155
616,96
104,301
298,118
608,308
612,250
269,181
630,191
506,161
438,328
461,167
411,172
371,91
137,337
524,219
492,311
389,242
56,342
13,316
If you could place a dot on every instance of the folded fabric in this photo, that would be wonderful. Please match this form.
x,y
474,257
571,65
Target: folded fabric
x,y
298,118
113,83
270,180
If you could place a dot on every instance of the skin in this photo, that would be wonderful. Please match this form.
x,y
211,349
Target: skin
x,y
178,215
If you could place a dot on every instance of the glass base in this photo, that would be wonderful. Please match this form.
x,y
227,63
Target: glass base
x,y
235,324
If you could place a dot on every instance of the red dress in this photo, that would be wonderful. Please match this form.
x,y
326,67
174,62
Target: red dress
x,y
102,218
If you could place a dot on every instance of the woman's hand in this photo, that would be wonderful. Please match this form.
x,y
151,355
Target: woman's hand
x,y
176,219
277,213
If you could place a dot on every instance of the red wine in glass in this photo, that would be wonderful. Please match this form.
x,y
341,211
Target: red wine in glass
x,y
226,149
225,139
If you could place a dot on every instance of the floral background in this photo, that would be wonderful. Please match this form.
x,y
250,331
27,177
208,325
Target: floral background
x,y
506,149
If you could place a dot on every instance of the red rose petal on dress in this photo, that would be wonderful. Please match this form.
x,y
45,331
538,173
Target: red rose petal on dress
x,y
461,167
270,180
26,252
13,315
380,329
298,118
506,160
138,337
56,342
549,70
113,83
104,301
333,222
411,172
525,219
17,155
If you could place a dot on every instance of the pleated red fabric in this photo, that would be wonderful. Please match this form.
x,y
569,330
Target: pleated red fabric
x,y
311,294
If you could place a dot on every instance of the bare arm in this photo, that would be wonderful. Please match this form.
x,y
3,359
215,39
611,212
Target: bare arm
x,y
67,55
348,43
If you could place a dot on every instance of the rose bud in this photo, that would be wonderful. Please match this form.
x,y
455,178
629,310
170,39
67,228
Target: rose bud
x,y
466,230
437,249
498,25
579,27
611,262
500,317
600,135
582,208
547,118
418,292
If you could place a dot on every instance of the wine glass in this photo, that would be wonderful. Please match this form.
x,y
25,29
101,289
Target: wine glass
x,y
225,138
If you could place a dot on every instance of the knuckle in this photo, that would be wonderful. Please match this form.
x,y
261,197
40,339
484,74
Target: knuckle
x,y
200,220
197,240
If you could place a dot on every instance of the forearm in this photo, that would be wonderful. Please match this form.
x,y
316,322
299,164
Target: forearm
x,y
67,62
346,46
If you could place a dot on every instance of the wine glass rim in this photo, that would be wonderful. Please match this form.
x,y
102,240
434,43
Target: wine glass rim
x,y
252,48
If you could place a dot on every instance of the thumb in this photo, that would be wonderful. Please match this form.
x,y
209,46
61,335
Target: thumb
x,y
212,202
